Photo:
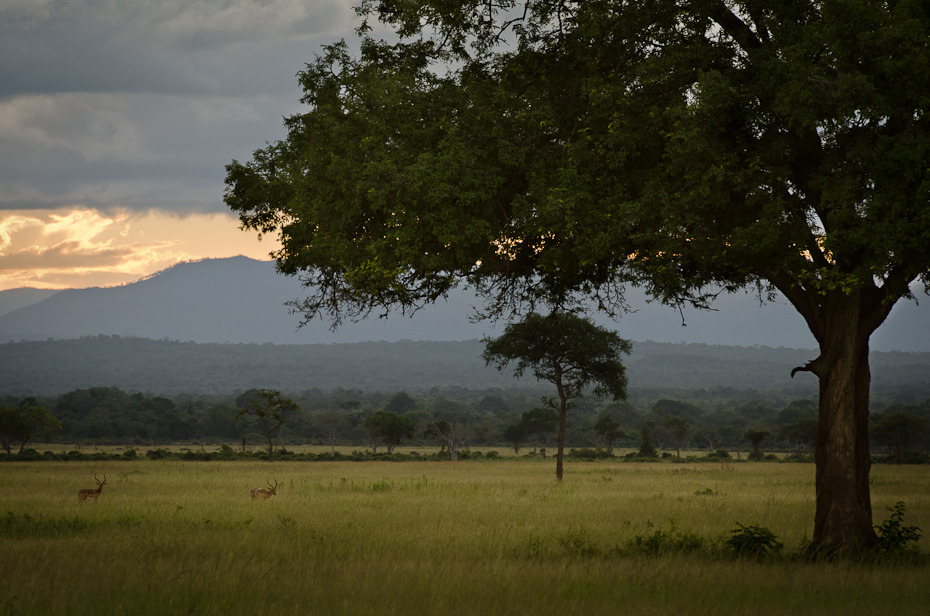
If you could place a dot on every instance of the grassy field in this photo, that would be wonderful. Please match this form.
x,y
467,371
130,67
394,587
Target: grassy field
x,y
479,537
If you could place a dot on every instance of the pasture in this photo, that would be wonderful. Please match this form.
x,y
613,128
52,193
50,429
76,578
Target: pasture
x,y
473,537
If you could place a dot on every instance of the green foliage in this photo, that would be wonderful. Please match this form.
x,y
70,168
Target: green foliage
x,y
589,454
755,438
271,408
897,430
893,535
666,541
609,430
647,448
564,349
22,422
390,427
679,429
754,541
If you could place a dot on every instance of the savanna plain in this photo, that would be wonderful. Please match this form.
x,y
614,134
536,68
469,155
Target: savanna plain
x,y
473,537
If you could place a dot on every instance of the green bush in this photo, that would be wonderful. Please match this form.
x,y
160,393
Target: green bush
x,y
666,541
586,453
893,535
755,541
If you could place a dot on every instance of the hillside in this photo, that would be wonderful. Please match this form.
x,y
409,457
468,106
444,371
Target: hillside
x,y
240,300
171,368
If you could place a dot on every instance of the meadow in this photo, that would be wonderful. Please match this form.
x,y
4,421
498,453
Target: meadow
x,y
473,537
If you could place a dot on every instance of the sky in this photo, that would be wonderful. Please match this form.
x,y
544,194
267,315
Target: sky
x,y
117,119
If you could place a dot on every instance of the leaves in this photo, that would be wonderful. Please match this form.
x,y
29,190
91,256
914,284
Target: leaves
x,y
565,348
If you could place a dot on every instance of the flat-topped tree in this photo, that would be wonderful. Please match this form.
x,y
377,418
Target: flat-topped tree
x,y
573,146
271,409
566,350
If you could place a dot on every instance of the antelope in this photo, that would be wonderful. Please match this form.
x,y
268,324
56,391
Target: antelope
x,y
262,493
83,495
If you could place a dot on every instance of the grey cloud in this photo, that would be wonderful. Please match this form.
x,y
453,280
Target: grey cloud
x,y
167,46
109,103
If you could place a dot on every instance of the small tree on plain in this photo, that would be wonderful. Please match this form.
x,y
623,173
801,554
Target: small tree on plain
x,y
755,438
451,435
566,350
647,448
515,434
21,423
270,408
609,430
679,429
390,427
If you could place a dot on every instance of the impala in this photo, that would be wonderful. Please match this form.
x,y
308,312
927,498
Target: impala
x,y
262,493
83,495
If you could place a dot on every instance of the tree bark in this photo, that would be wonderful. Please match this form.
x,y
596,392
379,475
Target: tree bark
x,y
843,518
563,416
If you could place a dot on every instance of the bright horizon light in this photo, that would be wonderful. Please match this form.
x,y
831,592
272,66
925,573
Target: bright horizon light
x,y
84,247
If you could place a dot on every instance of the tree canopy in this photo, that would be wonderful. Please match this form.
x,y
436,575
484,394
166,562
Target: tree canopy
x,y
550,149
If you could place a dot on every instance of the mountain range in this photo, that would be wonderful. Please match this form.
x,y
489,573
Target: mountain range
x,y
242,300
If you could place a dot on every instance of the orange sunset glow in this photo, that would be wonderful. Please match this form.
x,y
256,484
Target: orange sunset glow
x,y
77,248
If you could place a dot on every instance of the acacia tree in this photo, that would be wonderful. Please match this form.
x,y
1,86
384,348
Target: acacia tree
x,y
270,408
566,350
22,422
755,438
690,147
390,427
515,434
679,429
609,430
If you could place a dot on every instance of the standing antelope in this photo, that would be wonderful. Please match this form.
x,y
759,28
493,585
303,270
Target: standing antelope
x,y
83,495
263,493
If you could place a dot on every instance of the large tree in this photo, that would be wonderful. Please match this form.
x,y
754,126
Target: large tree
x,y
548,148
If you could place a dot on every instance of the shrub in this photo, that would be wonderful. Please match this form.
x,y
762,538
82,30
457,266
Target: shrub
x,y
589,454
893,535
665,541
756,541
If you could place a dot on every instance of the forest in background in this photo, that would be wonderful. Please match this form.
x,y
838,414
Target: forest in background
x,y
139,392
168,367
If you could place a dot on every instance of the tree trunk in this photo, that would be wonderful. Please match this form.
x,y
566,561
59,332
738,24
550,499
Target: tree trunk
x,y
558,370
843,520
563,413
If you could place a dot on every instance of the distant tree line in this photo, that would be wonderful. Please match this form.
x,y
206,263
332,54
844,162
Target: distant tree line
x,y
448,418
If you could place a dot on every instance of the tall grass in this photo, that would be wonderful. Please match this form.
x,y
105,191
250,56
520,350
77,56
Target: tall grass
x,y
427,538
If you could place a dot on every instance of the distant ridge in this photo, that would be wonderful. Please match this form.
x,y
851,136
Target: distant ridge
x,y
166,367
241,300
